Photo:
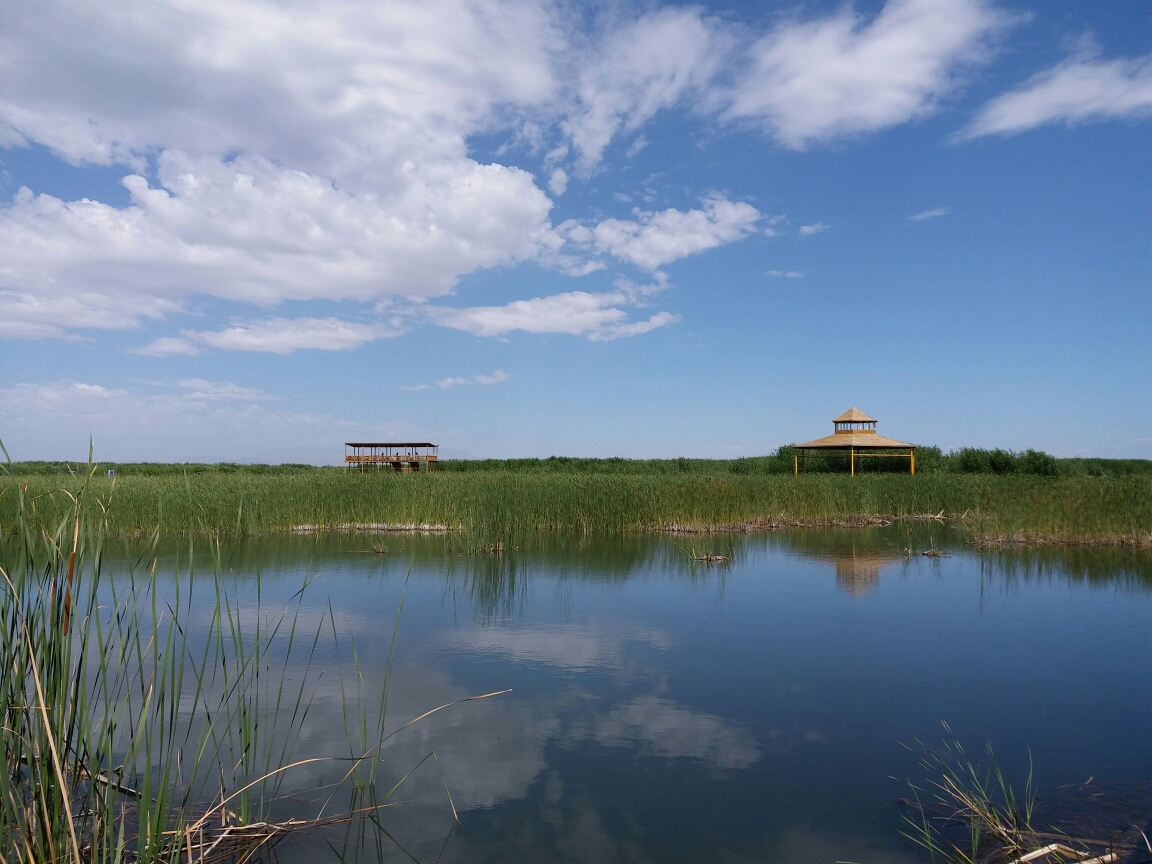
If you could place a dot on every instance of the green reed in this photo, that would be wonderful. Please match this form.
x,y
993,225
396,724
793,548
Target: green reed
x,y
147,717
502,505
969,813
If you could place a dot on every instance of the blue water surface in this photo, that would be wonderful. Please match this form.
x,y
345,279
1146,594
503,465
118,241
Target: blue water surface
x,y
769,708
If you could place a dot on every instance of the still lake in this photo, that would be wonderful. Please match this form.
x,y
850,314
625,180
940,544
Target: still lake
x,y
763,709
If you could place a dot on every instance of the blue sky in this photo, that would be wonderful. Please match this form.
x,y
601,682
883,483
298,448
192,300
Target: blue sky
x,y
250,231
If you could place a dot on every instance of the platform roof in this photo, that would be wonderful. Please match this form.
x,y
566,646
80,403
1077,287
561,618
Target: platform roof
x,y
388,444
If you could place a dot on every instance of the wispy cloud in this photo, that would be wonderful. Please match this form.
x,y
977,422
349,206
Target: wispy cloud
x,y
191,419
813,229
222,391
273,336
595,316
929,214
497,377
814,80
1082,89
785,274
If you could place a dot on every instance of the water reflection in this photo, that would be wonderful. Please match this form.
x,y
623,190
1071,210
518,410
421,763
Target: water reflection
x,y
667,710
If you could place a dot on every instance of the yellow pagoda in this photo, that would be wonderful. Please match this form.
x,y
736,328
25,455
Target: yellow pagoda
x,y
855,435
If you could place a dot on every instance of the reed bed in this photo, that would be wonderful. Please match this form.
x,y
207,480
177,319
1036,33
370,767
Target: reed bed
x,y
505,505
150,719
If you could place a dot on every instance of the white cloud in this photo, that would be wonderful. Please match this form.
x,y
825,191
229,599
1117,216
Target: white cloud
x,y
247,230
642,67
196,420
813,229
636,146
168,346
352,179
811,81
40,310
341,89
322,153
1082,89
785,274
558,182
495,378
775,223
595,316
222,391
654,239
929,214
273,336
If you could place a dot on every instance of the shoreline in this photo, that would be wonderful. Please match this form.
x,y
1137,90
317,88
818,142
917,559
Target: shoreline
x,y
763,526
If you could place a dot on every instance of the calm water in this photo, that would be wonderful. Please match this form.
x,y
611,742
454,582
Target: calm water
x,y
753,711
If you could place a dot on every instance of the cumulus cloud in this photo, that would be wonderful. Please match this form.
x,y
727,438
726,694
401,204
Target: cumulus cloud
x,y
275,154
929,214
272,336
813,229
346,90
810,81
595,316
297,155
1082,89
654,239
248,230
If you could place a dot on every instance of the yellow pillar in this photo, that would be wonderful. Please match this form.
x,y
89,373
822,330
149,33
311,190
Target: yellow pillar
x,y
852,458
912,455
795,463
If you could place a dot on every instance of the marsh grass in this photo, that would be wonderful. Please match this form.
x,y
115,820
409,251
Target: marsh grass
x,y
505,507
150,719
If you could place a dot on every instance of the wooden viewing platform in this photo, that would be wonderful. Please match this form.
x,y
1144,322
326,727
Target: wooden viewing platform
x,y
400,456
856,437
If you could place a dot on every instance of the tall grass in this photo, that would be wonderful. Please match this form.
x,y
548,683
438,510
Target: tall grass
x,y
149,718
505,505
972,814
994,821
